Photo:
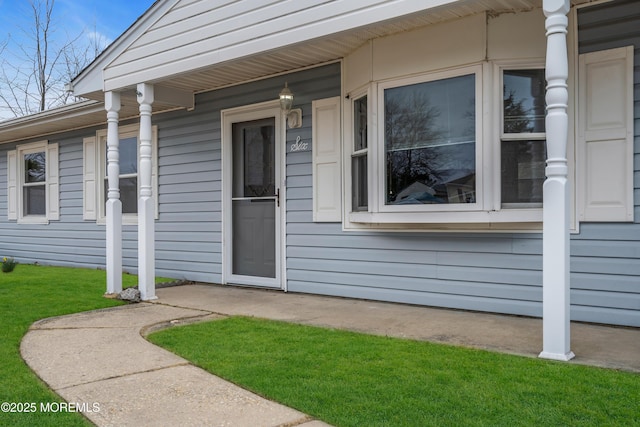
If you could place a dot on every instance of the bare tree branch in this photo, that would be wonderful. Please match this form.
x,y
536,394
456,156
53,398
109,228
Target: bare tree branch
x,y
33,79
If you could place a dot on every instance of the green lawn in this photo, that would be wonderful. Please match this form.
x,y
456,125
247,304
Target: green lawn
x,y
351,379
28,294
343,378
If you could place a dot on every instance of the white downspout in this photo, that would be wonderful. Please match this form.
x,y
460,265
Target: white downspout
x,y
113,206
146,204
555,230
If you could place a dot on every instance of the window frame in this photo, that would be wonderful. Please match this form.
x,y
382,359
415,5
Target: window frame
x,y
364,152
475,70
124,132
499,68
26,184
486,214
21,151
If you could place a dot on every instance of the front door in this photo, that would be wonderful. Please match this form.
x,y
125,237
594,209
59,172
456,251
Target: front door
x,y
253,200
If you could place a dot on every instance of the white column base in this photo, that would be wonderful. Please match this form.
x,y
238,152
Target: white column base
x,y
557,356
114,246
556,326
146,249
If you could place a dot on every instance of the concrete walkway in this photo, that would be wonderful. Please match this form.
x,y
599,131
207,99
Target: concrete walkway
x,y
101,357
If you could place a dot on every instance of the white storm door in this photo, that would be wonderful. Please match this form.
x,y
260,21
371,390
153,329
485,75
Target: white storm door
x,y
253,208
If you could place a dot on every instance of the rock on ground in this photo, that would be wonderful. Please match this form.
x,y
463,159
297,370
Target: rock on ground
x,y
130,294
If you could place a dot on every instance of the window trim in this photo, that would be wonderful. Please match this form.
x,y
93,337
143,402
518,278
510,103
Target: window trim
x,y
126,131
488,215
379,147
498,72
366,152
21,150
348,150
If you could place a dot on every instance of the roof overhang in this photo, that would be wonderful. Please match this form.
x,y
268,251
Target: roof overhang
x,y
67,117
201,60
176,88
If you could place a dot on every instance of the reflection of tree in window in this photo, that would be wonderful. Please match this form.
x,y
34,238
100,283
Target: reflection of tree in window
x,y
34,167
409,128
516,115
430,142
524,101
523,144
34,191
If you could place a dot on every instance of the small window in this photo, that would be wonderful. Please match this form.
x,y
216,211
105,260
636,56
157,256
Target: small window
x,y
430,142
33,183
523,144
359,157
129,166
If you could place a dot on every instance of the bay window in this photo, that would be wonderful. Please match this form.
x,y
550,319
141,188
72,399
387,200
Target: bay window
x,y
464,147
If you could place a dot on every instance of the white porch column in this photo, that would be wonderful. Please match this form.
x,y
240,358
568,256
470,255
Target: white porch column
x,y
555,231
146,204
113,204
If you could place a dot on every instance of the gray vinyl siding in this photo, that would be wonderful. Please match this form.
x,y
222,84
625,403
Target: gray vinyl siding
x,y
494,272
69,241
605,261
189,228
476,271
188,236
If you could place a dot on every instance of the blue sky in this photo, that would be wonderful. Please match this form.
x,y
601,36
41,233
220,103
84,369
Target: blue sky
x,y
90,24
107,18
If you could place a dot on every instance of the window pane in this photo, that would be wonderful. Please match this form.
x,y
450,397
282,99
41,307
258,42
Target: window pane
x,y
360,124
430,142
128,152
359,201
522,175
128,156
523,101
254,158
34,167
128,194
34,200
